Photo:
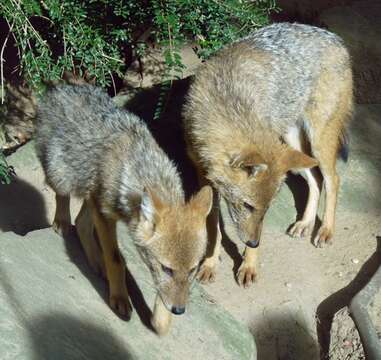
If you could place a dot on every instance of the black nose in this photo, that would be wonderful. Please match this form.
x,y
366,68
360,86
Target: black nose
x,y
178,310
253,243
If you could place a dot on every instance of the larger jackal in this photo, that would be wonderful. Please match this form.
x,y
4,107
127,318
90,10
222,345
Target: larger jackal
x,y
275,101
90,148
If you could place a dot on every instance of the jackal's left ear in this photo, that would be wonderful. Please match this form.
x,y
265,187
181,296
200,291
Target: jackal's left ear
x,y
202,202
150,205
249,161
292,159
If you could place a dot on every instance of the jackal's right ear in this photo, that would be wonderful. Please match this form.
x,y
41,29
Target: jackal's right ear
x,y
292,159
150,205
202,202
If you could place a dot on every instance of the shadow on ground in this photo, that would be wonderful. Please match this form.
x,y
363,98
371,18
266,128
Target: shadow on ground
x,y
284,336
340,299
232,250
22,208
62,337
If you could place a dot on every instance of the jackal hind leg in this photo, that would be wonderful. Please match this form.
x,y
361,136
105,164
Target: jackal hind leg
x,y
114,262
89,239
325,138
326,153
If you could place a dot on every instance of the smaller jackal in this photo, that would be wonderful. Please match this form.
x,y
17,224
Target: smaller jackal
x,y
91,149
276,101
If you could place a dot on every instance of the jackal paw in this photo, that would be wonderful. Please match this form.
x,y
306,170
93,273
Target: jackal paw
x,y
121,304
301,228
246,275
206,274
62,228
323,237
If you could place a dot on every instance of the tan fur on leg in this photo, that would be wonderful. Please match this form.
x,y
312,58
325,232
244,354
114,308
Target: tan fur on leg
x,y
86,232
161,317
62,218
115,267
207,272
247,271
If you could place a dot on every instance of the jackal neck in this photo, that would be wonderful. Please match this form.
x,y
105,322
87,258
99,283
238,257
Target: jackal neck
x,y
135,163
256,139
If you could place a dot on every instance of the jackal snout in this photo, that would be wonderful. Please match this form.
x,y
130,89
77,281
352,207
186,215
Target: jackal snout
x,y
172,241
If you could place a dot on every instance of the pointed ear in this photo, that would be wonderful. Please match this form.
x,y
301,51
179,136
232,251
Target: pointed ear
x,y
202,202
249,161
292,159
150,205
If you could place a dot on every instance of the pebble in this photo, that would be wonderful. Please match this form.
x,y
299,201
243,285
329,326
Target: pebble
x,y
355,261
347,343
288,285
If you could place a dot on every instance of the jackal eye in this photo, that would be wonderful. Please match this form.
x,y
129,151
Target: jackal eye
x,y
167,270
249,207
191,271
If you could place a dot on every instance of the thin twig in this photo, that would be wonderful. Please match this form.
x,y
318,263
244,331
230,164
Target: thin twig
x,y
64,41
2,61
112,58
37,35
14,38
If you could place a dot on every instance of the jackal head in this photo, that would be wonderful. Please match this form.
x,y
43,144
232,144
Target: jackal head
x,y
172,241
248,181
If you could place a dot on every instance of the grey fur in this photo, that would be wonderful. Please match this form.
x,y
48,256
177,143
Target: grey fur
x,y
80,130
279,90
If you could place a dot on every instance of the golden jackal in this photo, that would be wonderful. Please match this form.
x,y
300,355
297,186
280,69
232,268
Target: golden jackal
x,y
90,148
275,101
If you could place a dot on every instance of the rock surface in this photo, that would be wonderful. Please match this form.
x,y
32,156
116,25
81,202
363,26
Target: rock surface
x,y
363,40
358,23
53,307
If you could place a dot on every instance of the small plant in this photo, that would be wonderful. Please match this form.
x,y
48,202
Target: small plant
x,y
6,172
208,24
91,38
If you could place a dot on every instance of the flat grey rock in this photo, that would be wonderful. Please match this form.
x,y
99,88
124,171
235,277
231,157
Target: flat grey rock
x,y
53,307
